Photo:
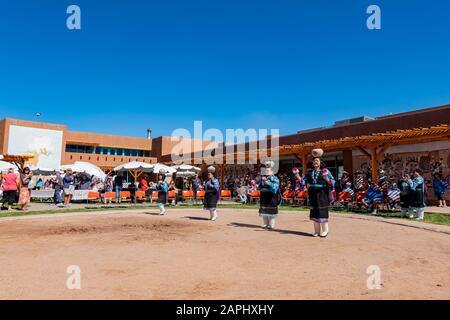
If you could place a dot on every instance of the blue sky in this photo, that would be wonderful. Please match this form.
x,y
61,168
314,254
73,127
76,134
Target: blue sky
x,y
282,64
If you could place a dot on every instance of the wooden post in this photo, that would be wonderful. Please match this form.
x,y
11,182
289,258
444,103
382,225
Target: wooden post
x,y
374,164
304,163
221,167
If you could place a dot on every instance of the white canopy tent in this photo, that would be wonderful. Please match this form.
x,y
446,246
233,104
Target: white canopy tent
x,y
89,168
43,171
135,168
134,165
157,167
186,170
184,174
186,167
5,166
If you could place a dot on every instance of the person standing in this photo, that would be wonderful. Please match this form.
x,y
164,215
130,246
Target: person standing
x,y
417,189
320,182
162,189
24,195
109,183
143,186
196,184
58,185
69,186
10,186
269,187
439,189
405,195
118,186
212,194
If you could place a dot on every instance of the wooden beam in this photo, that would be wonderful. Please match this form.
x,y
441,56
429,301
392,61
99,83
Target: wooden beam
x,y
364,151
382,150
374,165
221,167
304,163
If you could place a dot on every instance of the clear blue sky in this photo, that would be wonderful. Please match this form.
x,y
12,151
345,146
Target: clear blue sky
x,y
232,63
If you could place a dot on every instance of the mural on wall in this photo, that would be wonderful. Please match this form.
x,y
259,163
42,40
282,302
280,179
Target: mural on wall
x,y
394,166
44,144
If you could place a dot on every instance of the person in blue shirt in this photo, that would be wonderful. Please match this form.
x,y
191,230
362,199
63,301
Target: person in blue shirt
x,y
162,188
439,189
69,186
417,191
212,194
269,187
373,198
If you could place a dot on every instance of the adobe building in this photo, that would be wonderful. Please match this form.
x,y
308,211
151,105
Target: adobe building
x,y
393,145
53,145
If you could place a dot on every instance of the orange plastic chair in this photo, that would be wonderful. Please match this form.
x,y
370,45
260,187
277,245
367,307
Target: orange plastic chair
x,y
200,195
255,195
110,196
188,195
125,195
154,196
93,196
344,197
225,194
360,197
288,196
302,196
171,195
140,195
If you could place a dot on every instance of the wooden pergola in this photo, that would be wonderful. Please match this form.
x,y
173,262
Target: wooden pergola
x,y
373,145
19,161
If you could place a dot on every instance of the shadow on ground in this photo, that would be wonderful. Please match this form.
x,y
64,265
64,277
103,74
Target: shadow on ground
x,y
254,226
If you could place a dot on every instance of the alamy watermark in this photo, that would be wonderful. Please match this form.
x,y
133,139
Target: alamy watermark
x,y
374,279
374,20
73,21
73,281
233,146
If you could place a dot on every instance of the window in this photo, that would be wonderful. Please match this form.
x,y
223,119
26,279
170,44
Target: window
x,y
79,148
107,151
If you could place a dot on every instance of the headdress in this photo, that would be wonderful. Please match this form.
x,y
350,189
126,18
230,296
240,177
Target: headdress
x,y
317,153
211,169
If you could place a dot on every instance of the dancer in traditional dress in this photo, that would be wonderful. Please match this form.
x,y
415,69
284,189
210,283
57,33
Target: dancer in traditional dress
x,y
212,194
270,196
162,189
417,189
320,183
405,196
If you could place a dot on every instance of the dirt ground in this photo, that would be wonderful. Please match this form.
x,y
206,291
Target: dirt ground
x,y
140,255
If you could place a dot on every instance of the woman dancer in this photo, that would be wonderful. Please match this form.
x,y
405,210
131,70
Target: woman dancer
x,y
320,183
212,193
162,189
269,187
417,189
24,195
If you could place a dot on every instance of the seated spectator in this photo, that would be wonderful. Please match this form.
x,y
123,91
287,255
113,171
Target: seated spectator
x,y
373,198
242,194
348,188
393,196
39,184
